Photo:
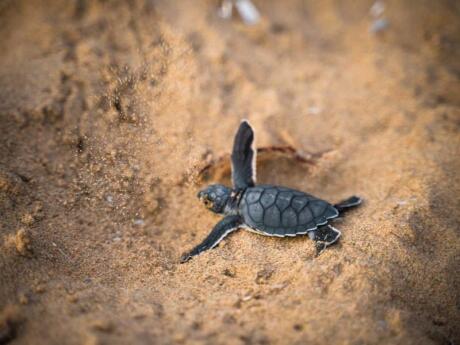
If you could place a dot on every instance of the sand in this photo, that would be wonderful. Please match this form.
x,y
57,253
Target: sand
x,y
109,110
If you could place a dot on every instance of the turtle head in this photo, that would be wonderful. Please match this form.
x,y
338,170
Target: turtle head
x,y
215,197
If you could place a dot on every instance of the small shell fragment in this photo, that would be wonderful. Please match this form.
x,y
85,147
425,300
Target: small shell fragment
x,y
247,11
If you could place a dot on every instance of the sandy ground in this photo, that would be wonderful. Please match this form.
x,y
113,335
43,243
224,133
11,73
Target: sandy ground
x,y
110,109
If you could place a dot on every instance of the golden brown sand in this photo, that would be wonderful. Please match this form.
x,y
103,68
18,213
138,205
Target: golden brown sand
x,y
110,109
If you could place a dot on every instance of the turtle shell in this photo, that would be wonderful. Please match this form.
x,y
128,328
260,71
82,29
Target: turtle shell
x,y
281,211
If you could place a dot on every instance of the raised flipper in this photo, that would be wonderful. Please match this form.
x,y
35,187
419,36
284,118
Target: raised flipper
x,y
220,230
244,157
324,236
346,204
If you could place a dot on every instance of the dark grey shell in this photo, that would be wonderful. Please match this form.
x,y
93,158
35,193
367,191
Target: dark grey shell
x,y
281,211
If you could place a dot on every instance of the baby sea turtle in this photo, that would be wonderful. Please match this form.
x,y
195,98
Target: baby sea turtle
x,y
266,209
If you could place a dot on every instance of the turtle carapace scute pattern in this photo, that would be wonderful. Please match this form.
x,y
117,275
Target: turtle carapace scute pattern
x,y
281,211
266,209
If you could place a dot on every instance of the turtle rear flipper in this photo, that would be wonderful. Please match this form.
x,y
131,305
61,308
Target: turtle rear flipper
x,y
325,236
346,204
244,158
220,230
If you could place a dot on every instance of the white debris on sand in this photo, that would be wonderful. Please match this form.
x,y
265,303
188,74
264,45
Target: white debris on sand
x,y
246,9
379,22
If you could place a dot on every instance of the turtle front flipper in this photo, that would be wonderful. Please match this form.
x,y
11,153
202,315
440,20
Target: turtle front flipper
x,y
220,230
324,236
244,157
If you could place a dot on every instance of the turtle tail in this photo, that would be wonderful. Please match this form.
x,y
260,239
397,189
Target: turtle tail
x,y
349,203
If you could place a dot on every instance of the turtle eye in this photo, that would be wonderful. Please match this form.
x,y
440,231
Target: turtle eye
x,y
207,203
